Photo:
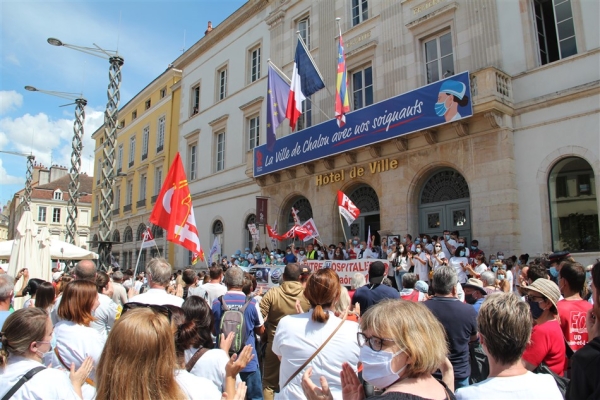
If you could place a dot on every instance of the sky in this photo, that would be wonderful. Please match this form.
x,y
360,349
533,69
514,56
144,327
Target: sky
x,y
148,34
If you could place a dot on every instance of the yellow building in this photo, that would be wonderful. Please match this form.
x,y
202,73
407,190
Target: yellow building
x,y
145,147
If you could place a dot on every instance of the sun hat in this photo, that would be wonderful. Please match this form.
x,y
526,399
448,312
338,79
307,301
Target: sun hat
x,y
546,288
475,283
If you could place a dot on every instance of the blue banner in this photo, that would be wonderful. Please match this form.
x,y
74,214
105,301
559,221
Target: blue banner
x,y
436,104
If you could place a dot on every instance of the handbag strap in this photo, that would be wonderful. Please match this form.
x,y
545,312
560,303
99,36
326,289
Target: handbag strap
x,y
192,361
22,381
317,351
87,380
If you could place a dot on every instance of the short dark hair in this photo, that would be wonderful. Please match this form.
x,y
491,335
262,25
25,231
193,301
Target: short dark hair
x,y
215,272
291,272
475,242
188,276
537,271
408,235
574,274
509,264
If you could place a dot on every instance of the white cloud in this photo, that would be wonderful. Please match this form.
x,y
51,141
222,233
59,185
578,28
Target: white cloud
x,y
9,101
6,179
13,59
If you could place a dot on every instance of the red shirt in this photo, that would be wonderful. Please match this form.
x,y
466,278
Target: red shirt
x,y
572,321
547,345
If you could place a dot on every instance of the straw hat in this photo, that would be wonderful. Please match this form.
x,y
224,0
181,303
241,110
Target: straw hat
x,y
475,284
546,288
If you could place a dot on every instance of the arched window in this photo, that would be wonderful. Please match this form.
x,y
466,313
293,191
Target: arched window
x,y
95,241
366,199
157,231
116,236
445,185
217,232
573,206
302,205
140,232
128,235
250,220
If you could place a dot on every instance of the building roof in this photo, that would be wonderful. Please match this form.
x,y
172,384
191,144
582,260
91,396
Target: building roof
x,y
47,191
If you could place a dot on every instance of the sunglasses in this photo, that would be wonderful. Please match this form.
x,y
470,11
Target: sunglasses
x,y
156,308
374,342
537,299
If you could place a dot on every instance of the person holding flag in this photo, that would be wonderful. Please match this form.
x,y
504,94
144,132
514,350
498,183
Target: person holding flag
x,y
342,103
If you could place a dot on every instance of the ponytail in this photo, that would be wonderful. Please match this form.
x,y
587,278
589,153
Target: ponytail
x,y
320,315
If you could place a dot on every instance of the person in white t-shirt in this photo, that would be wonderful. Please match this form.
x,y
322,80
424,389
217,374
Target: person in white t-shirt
x,y
449,244
106,313
159,276
420,260
298,336
26,338
213,289
460,263
438,257
504,325
75,339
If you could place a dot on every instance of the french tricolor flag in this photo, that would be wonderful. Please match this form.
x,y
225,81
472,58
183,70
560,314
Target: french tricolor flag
x,y
306,80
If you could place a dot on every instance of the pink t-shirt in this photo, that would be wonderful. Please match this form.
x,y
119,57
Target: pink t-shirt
x,y
547,345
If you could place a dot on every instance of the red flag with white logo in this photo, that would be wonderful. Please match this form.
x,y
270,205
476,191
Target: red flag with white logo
x,y
312,228
347,208
148,239
174,212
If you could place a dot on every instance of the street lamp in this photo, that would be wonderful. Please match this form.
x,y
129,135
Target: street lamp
x,y
76,147
110,135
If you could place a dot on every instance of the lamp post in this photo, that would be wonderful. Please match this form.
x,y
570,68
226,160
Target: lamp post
x,y
76,147
110,135
28,175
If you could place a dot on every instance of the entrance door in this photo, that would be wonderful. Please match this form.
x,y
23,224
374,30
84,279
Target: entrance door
x,y
445,204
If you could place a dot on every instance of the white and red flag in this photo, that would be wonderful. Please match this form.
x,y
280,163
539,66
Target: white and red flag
x,y
312,228
347,208
296,217
148,239
174,212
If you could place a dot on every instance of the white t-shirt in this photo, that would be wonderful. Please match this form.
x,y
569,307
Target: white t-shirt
x,y
529,386
46,384
420,263
158,297
481,268
75,343
195,387
297,337
105,315
510,279
445,249
195,291
435,264
212,291
210,366
455,263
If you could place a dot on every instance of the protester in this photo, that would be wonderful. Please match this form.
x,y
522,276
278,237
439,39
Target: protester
x,y
408,291
401,345
75,339
374,292
298,338
45,296
119,292
192,288
585,363
62,284
106,314
159,274
31,290
504,325
547,343
488,278
457,318
236,300
420,262
572,307
277,303
26,337
459,262
474,293
213,289
438,258
400,265
357,281
449,244
7,291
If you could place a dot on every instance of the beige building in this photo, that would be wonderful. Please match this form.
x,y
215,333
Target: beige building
x,y
519,175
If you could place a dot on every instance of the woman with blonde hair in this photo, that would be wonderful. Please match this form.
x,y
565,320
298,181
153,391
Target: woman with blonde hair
x,y
26,337
401,345
299,338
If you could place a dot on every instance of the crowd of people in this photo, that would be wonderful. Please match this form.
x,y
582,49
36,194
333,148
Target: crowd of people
x,y
443,321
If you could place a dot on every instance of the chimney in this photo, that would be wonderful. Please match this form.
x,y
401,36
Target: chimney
x,y
209,28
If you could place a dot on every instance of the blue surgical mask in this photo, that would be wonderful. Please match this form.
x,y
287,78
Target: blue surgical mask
x,y
494,269
425,240
501,277
462,253
447,237
553,272
440,109
355,242
52,346
418,250
417,241
473,248
301,252
377,367
403,240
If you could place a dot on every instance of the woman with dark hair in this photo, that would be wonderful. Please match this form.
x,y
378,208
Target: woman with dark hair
x,y
75,339
460,263
45,296
194,341
298,337
338,254
26,337
31,290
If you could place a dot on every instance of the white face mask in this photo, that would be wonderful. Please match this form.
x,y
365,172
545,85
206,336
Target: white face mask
x,y
377,367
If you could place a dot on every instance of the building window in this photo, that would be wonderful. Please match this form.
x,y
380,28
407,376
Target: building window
x,y
56,215
121,124
145,138
58,195
157,180
439,58
193,160
573,206
96,206
220,152
255,64
142,187
222,74
99,164
304,29
118,198
305,119
129,198
249,240
163,93
362,87
555,29
360,11
120,159
131,151
42,214
195,100
160,139
147,104
134,115
253,132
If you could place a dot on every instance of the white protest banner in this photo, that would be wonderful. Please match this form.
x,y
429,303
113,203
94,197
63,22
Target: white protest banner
x,y
255,233
312,228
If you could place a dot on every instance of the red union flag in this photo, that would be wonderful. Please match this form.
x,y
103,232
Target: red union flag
x,y
148,239
312,228
272,232
297,231
173,211
347,208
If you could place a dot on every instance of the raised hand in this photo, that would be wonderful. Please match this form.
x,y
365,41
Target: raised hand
x,y
312,391
225,342
299,309
237,363
352,389
78,377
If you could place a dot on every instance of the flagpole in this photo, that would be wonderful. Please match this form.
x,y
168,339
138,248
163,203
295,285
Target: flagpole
x,y
343,230
155,245
138,258
280,72
313,61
